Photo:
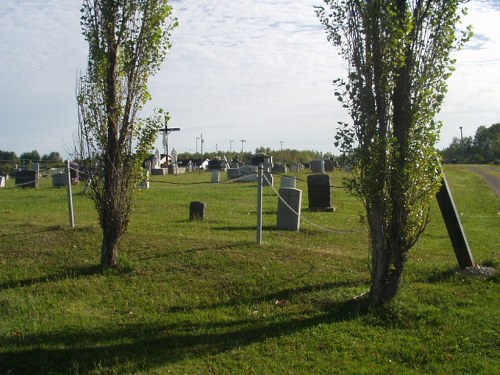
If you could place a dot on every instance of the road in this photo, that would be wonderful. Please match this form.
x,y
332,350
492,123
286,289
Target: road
x,y
490,173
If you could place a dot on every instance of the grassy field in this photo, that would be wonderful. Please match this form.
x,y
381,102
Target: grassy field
x,y
203,298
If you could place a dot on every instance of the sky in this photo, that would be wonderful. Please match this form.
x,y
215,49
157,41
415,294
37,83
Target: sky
x,y
254,70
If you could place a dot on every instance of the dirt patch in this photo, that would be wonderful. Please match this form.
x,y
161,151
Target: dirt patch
x,y
490,173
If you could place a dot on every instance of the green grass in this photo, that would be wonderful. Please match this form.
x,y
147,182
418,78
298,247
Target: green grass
x,y
203,298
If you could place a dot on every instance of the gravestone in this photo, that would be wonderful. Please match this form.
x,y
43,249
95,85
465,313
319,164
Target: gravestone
x,y
289,208
318,166
329,166
279,168
215,177
294,168
268,179
158,171
288,182
27,179
197,210
318,192
2,181
59,180
246,173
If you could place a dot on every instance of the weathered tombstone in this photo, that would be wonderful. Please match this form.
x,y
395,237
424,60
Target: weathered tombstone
x,y
58,180
318,192
27,179
197,210
171,169
288,182
318,166
294,168
2,181
289,208
215,177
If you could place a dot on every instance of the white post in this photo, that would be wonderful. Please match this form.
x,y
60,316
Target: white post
x,y
260,182
70,195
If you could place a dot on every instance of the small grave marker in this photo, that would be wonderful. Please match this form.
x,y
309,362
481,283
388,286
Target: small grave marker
x,y
289,208
197,210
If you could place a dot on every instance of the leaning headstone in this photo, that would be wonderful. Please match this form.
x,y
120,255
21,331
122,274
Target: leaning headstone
x,y
197,210
318,192
289,207
288,182
27,179
318,166
215,177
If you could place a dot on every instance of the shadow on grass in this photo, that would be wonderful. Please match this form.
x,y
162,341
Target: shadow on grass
x,y
143,347
71,273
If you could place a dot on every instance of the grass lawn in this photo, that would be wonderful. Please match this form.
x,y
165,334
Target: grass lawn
x,y
203,298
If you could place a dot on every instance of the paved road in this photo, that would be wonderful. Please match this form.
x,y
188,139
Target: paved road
x,y
490,173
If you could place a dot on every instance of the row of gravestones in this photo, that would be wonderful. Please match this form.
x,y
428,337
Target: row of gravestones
x,y
31,178
289,202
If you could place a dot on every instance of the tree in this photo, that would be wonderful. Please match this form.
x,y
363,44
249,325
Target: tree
x,y
54,156
398,57
128,40
31,156
487,142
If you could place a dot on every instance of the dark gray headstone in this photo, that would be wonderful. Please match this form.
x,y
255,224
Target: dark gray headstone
x,y
289,208
318,192
27,179
59,180
454,226
197,210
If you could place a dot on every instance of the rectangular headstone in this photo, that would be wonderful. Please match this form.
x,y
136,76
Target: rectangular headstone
x,y
2,181
318,192
215,177
197,210
318,166
27,179
58,180
288,182
329,166
158,171
289,208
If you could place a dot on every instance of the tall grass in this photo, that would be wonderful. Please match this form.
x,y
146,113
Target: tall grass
x,y
203,298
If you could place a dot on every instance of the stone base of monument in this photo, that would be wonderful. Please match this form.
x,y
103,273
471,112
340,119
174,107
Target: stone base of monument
x,y
158,171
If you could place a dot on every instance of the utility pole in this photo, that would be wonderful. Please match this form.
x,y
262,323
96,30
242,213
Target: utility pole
x,y
201,146
231,146
242,141
462,143
282,154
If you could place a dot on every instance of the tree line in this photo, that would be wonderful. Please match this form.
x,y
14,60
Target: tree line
x,y
483,147
286,156
9,160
